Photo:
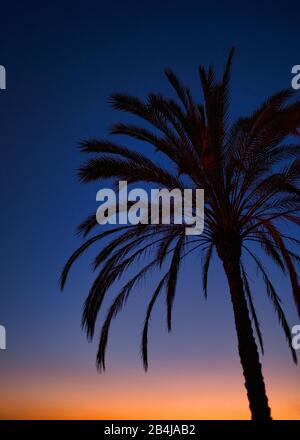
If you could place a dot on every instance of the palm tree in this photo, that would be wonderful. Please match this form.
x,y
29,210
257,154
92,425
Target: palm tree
x,y
250,174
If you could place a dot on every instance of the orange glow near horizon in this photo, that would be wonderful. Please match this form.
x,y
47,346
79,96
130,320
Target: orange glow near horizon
x,y
135,395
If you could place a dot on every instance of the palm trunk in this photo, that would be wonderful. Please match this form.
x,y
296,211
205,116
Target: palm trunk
x,y
249,357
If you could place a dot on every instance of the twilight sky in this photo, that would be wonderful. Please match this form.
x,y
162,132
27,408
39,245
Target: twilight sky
x,y
63,60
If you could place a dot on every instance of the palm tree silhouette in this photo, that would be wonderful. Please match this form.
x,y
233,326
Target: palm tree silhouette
x,y
250,175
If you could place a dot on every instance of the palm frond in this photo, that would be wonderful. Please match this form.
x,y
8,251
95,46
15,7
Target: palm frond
x,y
80,251
205,267
144,344
276,303
172,279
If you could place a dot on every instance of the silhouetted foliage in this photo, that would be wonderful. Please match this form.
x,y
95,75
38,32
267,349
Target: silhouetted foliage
x,y
250,174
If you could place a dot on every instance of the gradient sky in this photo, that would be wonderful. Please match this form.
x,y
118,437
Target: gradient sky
x,y
63,60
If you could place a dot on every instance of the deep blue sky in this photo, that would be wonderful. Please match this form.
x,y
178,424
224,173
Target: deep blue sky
x,y
63,60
